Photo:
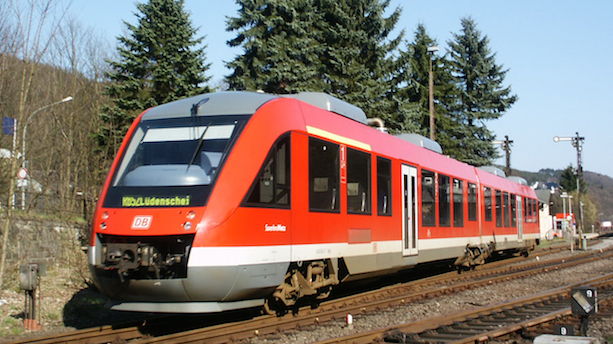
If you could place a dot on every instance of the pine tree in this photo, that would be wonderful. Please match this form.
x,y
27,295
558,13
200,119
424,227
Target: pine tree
x,y
338,47
568,180
416,58
481,97
280,49
359,64
158,63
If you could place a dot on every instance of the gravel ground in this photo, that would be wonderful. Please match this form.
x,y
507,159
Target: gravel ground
x,y
601,328
68,304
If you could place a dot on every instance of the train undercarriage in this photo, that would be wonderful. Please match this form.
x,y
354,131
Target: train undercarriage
x,y
305,281
310,282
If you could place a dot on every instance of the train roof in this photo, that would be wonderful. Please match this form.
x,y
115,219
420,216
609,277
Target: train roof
x,y
493,170
220,103
421,141
332,104
247,103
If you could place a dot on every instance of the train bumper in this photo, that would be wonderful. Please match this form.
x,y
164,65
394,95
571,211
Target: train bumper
x,y
205,289
182,307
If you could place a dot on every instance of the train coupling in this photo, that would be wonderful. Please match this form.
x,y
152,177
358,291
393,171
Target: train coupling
x,y
130,258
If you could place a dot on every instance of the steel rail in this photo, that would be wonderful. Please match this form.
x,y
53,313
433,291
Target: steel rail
x,y
338,309
429,326
102,334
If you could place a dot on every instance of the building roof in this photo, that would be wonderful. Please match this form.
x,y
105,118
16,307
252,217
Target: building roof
x,y
544,195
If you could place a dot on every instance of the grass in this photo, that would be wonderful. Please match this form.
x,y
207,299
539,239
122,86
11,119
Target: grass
x,y
11,322
555,241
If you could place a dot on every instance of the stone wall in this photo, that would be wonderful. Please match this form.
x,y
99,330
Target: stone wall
x,y
40,240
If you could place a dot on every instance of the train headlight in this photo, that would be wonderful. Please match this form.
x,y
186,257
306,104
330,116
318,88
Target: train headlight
x,y
191,215
105,216
187,225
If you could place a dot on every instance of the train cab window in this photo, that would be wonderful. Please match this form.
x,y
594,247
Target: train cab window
x,y
513,210
505,209
272,186
174,153
444,202
384,186
487,200
358,182
527,209
458,203
472,202
498,208
428,209
324,176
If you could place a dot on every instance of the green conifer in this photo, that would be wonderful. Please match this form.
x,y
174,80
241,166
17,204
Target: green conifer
x,y
158,63
337,47
481,96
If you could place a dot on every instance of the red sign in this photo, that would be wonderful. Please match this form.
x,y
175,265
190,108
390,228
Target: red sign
x,y
22,173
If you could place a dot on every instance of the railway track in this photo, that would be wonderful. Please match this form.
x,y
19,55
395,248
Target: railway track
x,y
485,323
356,304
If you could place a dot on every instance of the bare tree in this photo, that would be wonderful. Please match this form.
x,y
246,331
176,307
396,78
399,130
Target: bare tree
x,y
34,30
70,164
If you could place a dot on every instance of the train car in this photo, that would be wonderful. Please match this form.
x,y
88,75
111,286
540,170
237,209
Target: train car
x,y
235,199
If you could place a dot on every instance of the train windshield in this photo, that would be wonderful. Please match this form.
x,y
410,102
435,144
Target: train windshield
x,y
173,158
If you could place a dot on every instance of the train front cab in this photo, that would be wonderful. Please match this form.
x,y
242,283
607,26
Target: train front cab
x,y
159,240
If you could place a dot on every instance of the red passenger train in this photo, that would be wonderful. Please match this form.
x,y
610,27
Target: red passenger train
x,y
236,199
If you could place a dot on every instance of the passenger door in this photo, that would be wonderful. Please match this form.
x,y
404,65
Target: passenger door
x,y
520,219
410,223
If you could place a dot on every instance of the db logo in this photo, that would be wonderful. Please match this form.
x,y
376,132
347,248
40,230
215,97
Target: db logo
x,y
142,222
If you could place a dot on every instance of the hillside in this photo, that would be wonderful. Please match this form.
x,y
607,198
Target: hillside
x,y
599,187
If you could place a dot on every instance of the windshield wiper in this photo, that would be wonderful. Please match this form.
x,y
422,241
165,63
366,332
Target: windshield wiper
x,y
200,141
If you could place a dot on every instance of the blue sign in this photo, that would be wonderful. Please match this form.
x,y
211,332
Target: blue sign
x,y
8,125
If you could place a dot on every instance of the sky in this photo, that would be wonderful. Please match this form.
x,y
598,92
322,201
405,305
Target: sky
x,y
558,54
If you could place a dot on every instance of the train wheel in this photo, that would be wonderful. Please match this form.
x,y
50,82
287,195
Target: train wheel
x,y
274,307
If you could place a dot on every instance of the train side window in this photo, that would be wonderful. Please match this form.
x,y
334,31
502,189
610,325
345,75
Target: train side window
x,y
428,209
472,202
358,182
458,203
324,176
498,208
384,186
272,185
487,200
505,209
513,210
527,209
444,206
535,208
